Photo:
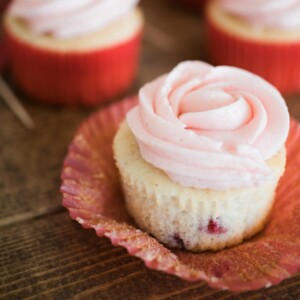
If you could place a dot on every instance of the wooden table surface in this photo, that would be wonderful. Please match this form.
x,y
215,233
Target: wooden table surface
x,y
43,254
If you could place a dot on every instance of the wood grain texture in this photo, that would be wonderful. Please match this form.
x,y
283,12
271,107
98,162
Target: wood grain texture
x,y
43,254
31,160
55,258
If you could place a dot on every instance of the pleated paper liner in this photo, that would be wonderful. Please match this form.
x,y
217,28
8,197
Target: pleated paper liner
x,y
93,195
278,63
73,78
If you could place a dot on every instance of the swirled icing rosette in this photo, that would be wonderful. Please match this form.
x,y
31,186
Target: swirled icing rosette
x,y
210,127
282,14
70,18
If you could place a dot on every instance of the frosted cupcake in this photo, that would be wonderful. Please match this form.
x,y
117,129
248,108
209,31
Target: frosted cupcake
x,y
201,155
73,52
262,36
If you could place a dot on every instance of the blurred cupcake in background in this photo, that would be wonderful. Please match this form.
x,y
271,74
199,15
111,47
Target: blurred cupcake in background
x,y
69,52
262,36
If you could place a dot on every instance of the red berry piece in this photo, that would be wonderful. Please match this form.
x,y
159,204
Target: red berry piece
x,y
179,241
214,227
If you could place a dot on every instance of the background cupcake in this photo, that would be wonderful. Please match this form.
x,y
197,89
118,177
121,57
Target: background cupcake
x,y
260,36
201,155
73,52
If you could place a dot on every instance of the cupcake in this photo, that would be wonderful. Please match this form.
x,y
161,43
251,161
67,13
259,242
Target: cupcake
x,y
201,155
260,36
73,52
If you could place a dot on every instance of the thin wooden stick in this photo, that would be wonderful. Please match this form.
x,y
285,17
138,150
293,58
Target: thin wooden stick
x,y
15,105
159,38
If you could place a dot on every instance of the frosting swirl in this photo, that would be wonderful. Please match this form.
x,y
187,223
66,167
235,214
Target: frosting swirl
x,y
281,14
210,127
69,18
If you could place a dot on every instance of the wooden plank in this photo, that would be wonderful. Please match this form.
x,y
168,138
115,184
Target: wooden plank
x,y
44,254
31,161
293,103
55,258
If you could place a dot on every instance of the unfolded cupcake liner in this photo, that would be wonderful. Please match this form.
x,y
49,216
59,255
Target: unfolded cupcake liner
x,y
92,193
278,63
78,77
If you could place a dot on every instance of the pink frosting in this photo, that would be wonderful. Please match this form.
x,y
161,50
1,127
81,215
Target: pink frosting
x,y
210,127
282,14
70,18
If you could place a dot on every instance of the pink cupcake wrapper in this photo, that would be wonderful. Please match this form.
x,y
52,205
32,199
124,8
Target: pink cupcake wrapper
x,y
92,193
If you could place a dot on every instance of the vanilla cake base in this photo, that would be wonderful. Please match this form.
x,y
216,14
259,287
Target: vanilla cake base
x,y
185,217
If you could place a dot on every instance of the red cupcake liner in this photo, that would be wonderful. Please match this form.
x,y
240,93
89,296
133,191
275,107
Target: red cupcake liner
x,y
278,63
93,195
80,78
